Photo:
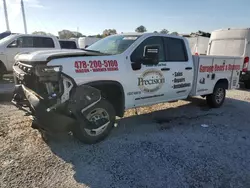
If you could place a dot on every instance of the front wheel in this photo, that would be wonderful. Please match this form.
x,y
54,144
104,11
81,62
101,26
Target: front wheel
x,y
216,99
102,110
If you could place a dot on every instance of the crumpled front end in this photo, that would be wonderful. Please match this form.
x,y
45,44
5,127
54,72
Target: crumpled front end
x,y
37,107
51,97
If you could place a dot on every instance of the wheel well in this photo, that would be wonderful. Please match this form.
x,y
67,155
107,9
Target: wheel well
x,y
223,82
113,92
2,67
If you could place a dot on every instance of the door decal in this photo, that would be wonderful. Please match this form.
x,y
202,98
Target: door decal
x,y
151,81
179,81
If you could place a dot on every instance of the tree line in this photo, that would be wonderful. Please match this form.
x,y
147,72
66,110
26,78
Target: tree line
x,y
67,34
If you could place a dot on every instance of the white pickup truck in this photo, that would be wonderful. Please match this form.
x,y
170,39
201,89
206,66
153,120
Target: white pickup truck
x,y
84,91
15,44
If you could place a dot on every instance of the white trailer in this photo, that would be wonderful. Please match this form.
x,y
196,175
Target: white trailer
x,y
84,42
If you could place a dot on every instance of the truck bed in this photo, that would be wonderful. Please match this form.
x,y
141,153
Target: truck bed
x,y
209,69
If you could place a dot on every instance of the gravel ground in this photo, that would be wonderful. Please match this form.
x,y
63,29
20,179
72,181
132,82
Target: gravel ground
x,y
167,148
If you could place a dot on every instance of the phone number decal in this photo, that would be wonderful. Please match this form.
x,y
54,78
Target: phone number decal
x,y
96,66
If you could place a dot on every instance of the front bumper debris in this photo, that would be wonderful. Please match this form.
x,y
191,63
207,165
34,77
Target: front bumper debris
x,y
32,103
83,98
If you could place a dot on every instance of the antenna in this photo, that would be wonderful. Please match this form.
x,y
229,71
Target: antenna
x,y
24,19
6,15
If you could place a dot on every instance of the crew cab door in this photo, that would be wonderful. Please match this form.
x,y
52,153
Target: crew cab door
x,y
148,82
180,68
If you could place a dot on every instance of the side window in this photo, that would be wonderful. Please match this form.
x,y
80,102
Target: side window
x,y
138,52
43,42
22,42
26,42
175,49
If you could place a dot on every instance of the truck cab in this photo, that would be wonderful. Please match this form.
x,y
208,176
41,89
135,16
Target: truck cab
x,y
84,90
15,44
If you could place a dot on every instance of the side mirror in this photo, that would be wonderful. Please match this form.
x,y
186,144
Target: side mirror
x,y
136,65
14,44
151,55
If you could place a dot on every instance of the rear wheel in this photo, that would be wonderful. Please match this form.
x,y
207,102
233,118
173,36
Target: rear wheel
x,y
102,110
216,99
247,84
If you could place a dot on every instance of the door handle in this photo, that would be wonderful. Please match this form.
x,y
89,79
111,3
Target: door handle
x,y
188,68
165,69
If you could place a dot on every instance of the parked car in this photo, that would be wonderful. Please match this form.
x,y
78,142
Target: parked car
x,y
4,34
232,42
83,91
15,44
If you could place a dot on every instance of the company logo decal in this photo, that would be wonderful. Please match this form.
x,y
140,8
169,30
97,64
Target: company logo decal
x,y
151,80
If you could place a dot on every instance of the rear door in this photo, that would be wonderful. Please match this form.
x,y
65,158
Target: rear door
x,y
180,75
42,43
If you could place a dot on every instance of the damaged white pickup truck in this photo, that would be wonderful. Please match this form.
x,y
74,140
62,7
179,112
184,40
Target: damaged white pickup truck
x,y
83,91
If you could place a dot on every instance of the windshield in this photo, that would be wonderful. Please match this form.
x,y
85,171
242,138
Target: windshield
x,y
114,44
3,40
228,47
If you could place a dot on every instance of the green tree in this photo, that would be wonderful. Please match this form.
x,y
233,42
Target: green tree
x,y
108,32
164,31
42,33
67,34
140,29
174,33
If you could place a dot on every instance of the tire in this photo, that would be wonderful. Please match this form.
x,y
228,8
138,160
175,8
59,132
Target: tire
x,y
83,134
217,98
247,84
2,70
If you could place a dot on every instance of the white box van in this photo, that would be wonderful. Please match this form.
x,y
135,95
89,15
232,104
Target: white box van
x,y
198,44
84,42
14,44
232,42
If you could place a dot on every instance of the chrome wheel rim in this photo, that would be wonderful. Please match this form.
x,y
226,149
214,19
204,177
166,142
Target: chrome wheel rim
x,y
219,95
95,115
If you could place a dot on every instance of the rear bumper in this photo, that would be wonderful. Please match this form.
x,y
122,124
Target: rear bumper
x,y
30,102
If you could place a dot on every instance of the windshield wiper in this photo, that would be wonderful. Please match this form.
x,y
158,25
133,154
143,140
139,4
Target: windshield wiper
x,y
94,51
89,50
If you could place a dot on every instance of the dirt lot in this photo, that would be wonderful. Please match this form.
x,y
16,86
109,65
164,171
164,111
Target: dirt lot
x,y
190,146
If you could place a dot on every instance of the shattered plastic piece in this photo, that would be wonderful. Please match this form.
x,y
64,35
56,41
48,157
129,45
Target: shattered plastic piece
x,y
204,125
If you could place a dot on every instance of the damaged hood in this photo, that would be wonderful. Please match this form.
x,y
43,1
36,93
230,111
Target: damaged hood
x,y
46,55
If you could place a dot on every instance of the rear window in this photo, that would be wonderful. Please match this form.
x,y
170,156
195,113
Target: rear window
x,y
227,47
175,49
43,42
68,44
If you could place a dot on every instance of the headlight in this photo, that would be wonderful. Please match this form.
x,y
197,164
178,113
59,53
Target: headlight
x,y
44,70
52,69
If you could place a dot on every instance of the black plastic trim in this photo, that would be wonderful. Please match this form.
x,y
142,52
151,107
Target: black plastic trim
x,y
103,82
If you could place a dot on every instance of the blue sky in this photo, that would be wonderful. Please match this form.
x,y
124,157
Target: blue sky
x,y
93,16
